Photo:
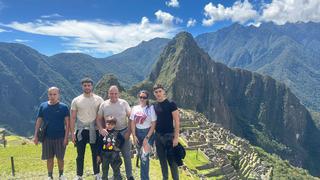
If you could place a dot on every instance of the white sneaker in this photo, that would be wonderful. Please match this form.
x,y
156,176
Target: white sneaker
x,y
62,177
97,177
50,178
78,178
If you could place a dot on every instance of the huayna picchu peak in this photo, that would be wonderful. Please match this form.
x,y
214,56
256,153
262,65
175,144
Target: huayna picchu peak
x,y
251,105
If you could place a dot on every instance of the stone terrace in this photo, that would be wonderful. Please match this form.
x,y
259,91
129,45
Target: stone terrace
x,y
230,157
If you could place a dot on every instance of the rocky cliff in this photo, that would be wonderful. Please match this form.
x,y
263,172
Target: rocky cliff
x,y
252,106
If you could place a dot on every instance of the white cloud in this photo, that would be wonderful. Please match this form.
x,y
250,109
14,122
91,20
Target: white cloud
x,y
282,11
191,22
240,12
2,30
99,36
21,40
164,17
278,11
172,3
55,15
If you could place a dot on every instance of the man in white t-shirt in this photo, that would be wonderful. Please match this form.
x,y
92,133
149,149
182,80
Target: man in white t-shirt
x,y
119,109
84,110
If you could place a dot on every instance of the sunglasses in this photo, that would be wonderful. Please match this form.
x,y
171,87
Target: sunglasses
x,y
143,97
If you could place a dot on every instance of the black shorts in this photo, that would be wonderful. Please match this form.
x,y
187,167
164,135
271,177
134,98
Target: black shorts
x,y
53,147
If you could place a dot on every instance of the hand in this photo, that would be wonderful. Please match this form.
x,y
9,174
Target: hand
x,y
135,140
74,138
146,146
65,142
36,140
127,136
103,132
175,141
145,141
98,159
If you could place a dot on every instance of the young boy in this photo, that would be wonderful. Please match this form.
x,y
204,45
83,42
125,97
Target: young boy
x,y
109,149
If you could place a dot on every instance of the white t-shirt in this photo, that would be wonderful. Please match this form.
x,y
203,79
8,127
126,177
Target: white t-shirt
x,y
86,107
143,116
119,110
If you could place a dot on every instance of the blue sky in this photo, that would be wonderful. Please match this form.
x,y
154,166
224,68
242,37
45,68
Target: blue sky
x,y
104,27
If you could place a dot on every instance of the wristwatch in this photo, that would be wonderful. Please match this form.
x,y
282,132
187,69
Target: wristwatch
x,y
147,137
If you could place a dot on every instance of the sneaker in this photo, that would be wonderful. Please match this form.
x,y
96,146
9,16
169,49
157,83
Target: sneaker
x,y
97,177
131,178
78,178
62,177
50,178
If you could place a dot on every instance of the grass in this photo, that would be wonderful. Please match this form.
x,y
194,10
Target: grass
x,y
282,168
29,166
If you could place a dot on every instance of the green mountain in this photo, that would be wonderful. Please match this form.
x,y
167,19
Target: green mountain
x,y
227,155
137,61
75,66
289,53
26,76
252,106
131,65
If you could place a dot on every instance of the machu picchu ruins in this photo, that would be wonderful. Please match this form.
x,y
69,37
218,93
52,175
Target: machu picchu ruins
x,y
229,156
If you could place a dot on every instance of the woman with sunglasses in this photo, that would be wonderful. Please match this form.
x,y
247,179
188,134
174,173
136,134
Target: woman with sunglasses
x,y
143,121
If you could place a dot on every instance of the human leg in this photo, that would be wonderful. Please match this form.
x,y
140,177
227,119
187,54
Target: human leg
x,y
95,165
125,150
115,164
144,156
105,166
81,149
161,152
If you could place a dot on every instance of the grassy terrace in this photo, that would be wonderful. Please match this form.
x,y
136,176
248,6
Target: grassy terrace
x,y
29,166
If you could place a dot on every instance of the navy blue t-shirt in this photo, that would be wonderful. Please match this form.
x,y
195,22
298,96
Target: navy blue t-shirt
x,y
54,116
164,116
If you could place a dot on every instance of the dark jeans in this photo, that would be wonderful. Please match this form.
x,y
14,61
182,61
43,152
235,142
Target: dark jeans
x,y
113,159
81,149
166,156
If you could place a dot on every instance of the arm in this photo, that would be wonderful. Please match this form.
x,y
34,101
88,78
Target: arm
x,y
176,119
153,126
133,131
99,121
151,130
72,125
67,127
127,134
36,128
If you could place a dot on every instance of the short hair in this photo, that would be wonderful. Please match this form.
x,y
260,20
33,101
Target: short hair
x,y
158,86
54,88
111,120
113,87
86,80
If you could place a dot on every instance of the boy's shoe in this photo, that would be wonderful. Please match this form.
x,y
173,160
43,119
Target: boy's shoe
x,y
62,177
50,178
97,177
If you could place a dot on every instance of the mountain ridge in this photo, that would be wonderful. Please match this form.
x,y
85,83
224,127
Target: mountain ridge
x,y
253,106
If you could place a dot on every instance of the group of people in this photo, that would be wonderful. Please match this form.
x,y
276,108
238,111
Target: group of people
x,y
107,126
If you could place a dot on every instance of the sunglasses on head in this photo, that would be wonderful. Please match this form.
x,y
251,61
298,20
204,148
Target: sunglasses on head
x,y
143,97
